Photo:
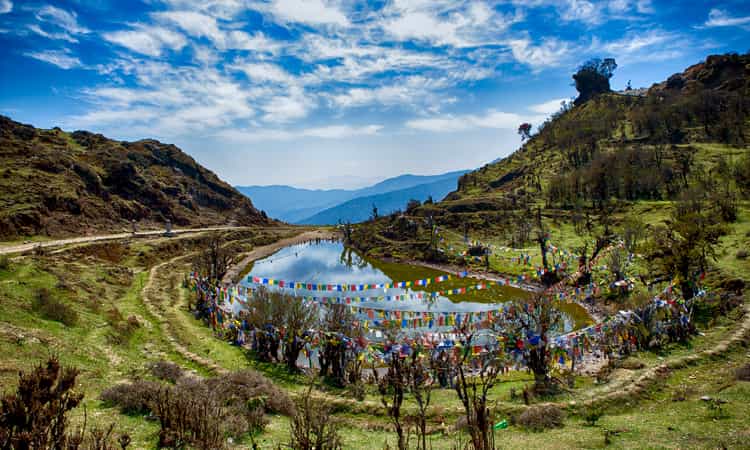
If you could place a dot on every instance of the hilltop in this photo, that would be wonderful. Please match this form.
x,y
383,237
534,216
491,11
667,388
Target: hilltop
x,y
57,183
612,155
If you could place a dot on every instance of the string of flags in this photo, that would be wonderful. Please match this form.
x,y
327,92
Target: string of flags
x,y
335,287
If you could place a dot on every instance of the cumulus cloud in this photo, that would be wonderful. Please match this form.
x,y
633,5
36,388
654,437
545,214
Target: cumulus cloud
x,y
461,24
6,6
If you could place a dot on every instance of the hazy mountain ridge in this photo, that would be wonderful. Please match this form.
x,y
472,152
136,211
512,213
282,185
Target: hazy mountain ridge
x,y
360,208
58,183
296,205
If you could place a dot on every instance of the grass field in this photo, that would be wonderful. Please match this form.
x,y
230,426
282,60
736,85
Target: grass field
x,y
92,284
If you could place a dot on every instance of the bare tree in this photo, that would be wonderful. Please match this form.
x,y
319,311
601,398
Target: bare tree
x,y
473,390
212,260
312,427
392,387
420,386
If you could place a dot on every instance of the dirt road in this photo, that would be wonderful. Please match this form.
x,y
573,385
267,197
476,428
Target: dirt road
x,y
22,248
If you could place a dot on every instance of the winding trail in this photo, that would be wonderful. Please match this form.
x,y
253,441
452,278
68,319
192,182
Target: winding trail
x,y
156,299
631,387
155,295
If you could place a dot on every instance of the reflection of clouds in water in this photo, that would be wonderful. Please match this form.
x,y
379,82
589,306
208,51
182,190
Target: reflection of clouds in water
x,y
317,263
322,263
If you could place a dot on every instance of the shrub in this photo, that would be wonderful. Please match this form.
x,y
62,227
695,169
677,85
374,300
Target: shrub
x,y
592,415
189,415
4,262
122,329
312,426
53,309
741,254
165,370
36,415
743,373
540,418
247,386
131,398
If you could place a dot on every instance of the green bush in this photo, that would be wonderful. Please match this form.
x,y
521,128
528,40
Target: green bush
x,y
53,309
4,262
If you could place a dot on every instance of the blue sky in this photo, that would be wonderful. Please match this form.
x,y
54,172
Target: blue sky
x,y
320,93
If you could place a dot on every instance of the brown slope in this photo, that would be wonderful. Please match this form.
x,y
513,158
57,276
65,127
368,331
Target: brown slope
x,y
57,183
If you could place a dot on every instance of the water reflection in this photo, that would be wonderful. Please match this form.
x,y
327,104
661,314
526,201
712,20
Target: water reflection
x,y
331,263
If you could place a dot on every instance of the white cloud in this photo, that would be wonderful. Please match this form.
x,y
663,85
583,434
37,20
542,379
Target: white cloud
x,y
635,42
221,9
644,7
285,108
314,12
452,123
61,59
52,35
258,42
549,107
551,52
721,18
440,23
415,91
6,6
169,101
68,21
260,72
147,40
581,10
195,24
651,45
328,132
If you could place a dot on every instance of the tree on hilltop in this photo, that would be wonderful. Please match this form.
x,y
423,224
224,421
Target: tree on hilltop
x,y
592,78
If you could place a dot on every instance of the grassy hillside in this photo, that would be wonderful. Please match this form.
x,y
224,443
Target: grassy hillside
x,y
57,183
129,310
613,157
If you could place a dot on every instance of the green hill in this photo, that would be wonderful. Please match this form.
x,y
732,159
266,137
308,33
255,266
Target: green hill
x,y
615,154
56,183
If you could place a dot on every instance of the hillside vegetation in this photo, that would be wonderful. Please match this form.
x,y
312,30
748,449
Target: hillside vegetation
x,y
612,158
56,183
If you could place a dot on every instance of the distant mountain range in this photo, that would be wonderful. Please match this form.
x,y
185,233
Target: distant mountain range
x,y
320,207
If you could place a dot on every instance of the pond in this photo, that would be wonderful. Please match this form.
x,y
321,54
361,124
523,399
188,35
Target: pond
x,y
329,262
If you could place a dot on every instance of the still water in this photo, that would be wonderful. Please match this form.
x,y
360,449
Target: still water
x,y
329,262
